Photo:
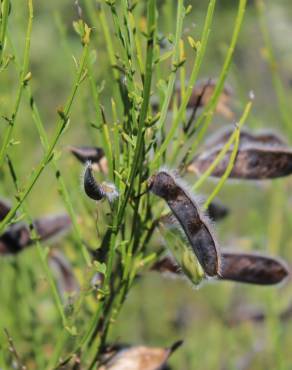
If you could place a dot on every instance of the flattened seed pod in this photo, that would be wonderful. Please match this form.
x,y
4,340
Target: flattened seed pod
x,y
138,358
264,137
193,223
253,162
252,268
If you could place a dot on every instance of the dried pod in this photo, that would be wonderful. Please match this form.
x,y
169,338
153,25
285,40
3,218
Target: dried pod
x,y
63,270
253,162
52,226
264,137
4,208
202,94
15,239
252,268
87,153
94,155
217,211
91,188
166,265
137,357
96,191
194,224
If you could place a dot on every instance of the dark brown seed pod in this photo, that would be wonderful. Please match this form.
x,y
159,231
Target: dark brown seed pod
x,y
4,208
217,211
264,137
94,155
87,153
253,162
15,239
252,268
137,357
91,188
193,223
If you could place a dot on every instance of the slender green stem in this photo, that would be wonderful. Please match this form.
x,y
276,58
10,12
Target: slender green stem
x,y
21,86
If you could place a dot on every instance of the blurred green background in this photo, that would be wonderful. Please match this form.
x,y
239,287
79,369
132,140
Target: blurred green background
x,y
158,310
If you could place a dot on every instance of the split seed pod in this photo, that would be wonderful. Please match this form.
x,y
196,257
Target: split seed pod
x,y
138,358
95,155
253,162
253,268
187,213
95,191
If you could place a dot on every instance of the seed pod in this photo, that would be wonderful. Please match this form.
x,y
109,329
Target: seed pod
x,y
137,357
52,226
15,239
87,153
217,211
252,268
4,208
91,188
202,94
253,162
193,223
264,137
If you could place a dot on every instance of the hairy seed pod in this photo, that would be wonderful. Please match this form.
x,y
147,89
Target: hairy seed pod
x,y
252,268
253,162
263,137
137,357
91,188
193,223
